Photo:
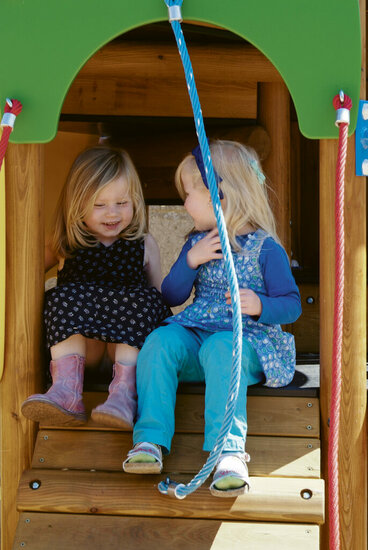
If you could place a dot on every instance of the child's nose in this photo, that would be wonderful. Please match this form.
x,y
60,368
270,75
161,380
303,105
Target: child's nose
x,y
112,209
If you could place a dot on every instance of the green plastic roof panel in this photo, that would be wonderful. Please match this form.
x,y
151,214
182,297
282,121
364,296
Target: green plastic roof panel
x,y
315,45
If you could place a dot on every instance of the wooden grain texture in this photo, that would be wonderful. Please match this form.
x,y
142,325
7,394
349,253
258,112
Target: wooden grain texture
x,y
276,456
76,532
24,296
282,416
274,116
270,499
148,80
353,426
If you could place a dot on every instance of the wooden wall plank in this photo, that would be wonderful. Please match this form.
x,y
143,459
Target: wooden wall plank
x,y
281,416
75,532
270,499
275,456
306,328
148,80
24,298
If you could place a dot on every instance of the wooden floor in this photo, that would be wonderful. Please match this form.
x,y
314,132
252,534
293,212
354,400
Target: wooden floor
x,y
76,496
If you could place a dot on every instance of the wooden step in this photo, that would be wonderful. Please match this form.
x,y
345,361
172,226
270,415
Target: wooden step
x,y
281,416
76,532
104,450
109,493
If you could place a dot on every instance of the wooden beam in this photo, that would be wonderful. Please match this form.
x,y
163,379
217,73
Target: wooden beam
x,y
112,493
24,298
274,116
353,437
76,532
148,80
103,450
274,416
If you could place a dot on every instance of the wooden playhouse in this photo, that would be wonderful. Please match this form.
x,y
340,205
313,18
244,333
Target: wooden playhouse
x,y
266,75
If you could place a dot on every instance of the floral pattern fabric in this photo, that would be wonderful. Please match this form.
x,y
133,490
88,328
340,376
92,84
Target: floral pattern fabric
x,y
209,311
103,293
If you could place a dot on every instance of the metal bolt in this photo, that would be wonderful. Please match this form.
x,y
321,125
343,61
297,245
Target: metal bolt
x,y
35,484
310,300
22,544
308,532
45,437
309,405
41,459
28,520
306,494
309,468
309,427
309,446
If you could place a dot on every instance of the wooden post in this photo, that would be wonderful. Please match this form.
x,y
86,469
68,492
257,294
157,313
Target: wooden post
x,y
24,297
274,116
353,439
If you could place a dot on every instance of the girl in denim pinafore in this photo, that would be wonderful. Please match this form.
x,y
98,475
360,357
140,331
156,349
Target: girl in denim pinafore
x,y
196,344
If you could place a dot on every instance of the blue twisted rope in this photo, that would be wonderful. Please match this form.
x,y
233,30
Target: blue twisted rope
x,y
180,490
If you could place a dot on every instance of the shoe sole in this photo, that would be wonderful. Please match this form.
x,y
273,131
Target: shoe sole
x,y
229,493
142,468
51,414
110,420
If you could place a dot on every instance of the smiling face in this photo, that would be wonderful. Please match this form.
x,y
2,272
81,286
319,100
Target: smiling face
x,y
197,201
111,212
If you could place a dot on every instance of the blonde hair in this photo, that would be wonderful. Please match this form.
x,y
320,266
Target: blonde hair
x,y
91,171
245,193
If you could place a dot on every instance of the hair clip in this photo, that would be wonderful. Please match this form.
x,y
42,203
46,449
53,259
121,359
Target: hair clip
x,y
197,154
260,175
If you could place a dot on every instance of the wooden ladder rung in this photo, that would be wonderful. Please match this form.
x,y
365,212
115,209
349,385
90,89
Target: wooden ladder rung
x,y
110,493
76,532
104,450
281,416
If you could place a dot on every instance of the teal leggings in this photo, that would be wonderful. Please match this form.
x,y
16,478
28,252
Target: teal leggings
x,y
175,353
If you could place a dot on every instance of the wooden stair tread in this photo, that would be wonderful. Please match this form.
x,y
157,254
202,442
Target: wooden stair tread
x,y
275,456
38,531
281,416
110,493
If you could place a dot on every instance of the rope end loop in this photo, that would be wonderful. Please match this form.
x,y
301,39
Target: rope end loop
x,y
170,488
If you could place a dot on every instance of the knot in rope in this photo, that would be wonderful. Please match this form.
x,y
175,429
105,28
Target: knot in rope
x,y
346,102
342,104
13,106
170,3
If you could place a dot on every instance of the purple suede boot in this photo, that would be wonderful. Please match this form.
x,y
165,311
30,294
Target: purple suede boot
x,y
62,404
120,408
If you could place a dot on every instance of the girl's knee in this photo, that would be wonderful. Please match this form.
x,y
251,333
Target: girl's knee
x,y
216,348
161,337
165,345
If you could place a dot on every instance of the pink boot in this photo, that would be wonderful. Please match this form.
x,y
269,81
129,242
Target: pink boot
x,y
62,404
120,408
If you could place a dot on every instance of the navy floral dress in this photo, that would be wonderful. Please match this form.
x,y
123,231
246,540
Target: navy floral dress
x,y
102,292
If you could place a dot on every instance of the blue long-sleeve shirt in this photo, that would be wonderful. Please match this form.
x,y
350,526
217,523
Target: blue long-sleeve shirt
x,y
280,300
